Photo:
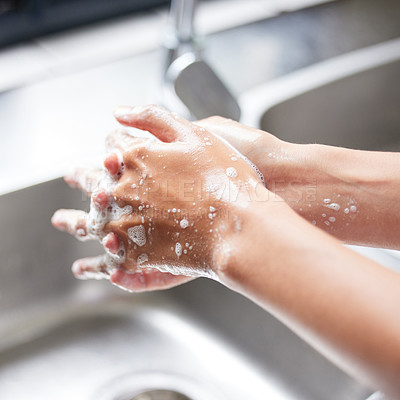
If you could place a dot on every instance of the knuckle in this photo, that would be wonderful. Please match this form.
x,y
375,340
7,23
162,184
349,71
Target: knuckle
x,y
151,110
219,119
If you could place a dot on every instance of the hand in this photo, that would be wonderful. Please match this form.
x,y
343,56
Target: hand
x,y
163,208
277,160
282,164
350,194
254,144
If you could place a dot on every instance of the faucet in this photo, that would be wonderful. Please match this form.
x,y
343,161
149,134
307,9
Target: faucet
x,y
190,86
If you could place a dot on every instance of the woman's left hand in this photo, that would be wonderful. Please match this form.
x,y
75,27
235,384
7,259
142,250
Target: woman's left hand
x,y
163,208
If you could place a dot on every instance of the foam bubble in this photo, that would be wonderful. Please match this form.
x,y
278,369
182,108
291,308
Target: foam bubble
x,y
231,172
178,249
96,221
117,212
121,253
353,209
256,169
81,232
137,234
184,223
142,258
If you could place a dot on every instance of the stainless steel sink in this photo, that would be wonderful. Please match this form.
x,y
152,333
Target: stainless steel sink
x,y
350,101
61,338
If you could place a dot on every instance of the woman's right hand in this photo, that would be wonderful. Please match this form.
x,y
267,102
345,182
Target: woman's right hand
x,y
277,160
350,194
254,144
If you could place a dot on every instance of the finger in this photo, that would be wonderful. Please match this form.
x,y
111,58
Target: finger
x,y
228,129
112,164
100,199
161,123
243,138
112,243
84,179
121,140
91,268
147,280
71,221
215,120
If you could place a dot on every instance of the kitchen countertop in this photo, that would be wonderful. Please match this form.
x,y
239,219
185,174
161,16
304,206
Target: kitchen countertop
x,y
56,123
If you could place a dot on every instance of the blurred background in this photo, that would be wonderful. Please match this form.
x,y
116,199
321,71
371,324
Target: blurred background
x,y
324,71
64,62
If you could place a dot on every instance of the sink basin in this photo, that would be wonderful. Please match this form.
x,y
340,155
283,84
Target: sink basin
x,y
351,101
68,339
61,338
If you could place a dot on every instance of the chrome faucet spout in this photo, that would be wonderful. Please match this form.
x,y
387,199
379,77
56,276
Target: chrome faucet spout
x,y
181,18
190,86
180,35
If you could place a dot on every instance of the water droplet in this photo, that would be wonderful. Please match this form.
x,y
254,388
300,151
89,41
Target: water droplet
x,y
184,223
333,206
231,172
178,249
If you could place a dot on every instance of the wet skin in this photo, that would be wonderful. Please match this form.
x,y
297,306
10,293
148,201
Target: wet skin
x,y
182,187
173,190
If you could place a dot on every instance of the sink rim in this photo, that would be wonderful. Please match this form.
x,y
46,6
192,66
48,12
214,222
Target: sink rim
x,y
255,102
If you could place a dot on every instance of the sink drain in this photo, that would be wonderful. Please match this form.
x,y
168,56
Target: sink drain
x,y
157,386
160,395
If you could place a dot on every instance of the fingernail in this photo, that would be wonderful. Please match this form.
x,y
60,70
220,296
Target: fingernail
x,y
57,220
111,163
111,242
70,181
122,112
100,199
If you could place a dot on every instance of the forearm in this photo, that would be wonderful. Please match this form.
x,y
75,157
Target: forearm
x,y
350,194
341,303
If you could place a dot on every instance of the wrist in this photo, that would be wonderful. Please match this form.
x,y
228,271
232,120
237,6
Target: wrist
x,y
291,171
238,256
